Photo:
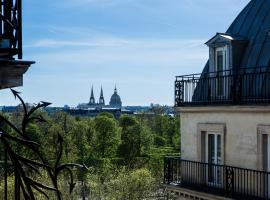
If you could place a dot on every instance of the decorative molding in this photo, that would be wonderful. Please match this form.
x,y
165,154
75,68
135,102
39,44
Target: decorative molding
x,y
262,129
228,109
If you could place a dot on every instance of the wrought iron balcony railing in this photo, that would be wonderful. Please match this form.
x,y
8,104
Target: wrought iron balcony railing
x,y
30,175
11,28
246,86
222,180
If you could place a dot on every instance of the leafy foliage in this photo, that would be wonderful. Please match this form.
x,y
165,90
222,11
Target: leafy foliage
x,y
107,136
124,156
136,139
22,148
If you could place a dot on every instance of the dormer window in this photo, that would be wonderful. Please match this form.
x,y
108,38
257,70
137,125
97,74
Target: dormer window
x,y
225,52
221,67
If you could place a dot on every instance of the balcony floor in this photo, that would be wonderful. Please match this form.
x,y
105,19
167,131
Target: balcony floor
x,y
184,194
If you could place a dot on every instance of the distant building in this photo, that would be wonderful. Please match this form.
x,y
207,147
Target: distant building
x,y
93,112
93,108
90,109
115,101
92,98
101,98
9,109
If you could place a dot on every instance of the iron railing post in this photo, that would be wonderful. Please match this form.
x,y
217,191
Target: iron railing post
x,y
166,171
233,88
19,28
5,174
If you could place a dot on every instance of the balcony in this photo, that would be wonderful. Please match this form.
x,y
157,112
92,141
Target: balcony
x,y
11,28
246,86
12,67
221,180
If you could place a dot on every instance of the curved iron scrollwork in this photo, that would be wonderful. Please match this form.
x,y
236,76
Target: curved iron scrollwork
x,y
24,184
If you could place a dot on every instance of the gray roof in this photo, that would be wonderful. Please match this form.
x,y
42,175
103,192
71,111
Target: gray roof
x,y
253,24
226,36
250,34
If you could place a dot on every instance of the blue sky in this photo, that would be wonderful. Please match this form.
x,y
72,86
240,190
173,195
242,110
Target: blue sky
x,y
140,45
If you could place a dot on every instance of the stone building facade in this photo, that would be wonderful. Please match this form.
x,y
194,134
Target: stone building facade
x,y
225,115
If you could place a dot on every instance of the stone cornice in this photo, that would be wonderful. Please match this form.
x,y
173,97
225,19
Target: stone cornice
x,y
229,109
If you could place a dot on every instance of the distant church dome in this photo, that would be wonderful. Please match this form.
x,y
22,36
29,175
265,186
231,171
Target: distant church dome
x,y
115,99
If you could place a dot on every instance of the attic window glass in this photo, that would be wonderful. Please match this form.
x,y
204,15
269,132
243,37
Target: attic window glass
x,y
221,59
221,67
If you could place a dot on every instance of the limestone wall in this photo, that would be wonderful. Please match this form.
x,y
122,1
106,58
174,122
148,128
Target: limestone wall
x,y
241,141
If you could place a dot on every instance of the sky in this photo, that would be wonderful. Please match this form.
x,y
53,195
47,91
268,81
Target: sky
x,y
138,45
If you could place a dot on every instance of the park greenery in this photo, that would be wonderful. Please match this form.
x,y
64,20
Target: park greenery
x,y
124,157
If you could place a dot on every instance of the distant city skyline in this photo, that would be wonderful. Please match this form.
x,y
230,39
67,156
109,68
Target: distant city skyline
x,y
139,45
100,101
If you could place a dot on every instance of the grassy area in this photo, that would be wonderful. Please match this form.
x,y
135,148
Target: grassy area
x,y
164,151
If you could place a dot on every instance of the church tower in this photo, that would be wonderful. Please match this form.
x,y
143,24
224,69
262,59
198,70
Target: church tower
x,y
101,98
92,98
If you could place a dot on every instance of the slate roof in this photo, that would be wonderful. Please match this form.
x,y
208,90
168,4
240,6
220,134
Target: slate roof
x,y
227,36
253,26
253,23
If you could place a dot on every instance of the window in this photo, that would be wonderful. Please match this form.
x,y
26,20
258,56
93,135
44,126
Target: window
x,y
215,133
221,65
213,156
211,150
264,151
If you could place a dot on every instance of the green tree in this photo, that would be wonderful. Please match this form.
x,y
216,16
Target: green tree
x,y
78,134
107,136
132,185
106,114
49,144
114,183
135,138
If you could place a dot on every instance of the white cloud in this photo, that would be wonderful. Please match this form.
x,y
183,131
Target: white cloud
x,y
115,41
112,51
99,3
53,43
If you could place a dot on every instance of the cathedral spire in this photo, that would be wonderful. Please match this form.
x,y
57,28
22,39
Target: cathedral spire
x,y
92,92
101,98
101,92
92,97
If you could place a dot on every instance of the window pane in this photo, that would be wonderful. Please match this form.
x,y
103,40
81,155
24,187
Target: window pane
x,y
211,148
218,149
220,61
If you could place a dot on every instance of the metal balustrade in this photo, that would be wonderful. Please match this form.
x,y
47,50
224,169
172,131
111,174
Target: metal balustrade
x,y
246,86
224,180
11,28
